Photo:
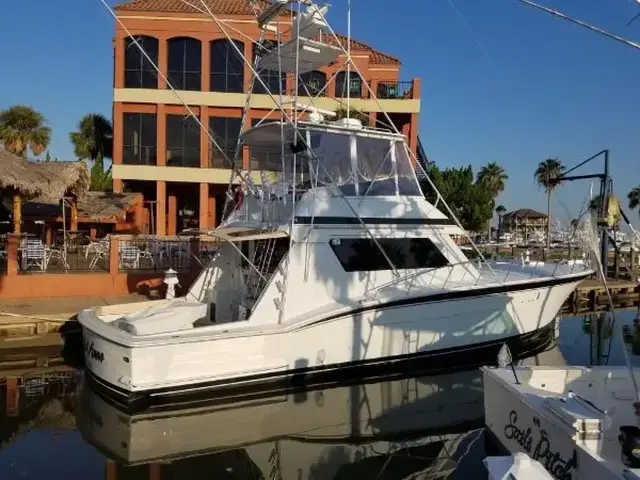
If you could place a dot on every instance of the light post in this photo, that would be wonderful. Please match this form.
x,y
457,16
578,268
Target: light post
x,y
500,210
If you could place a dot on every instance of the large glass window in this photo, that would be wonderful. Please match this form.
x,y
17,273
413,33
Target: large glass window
x,y
265,158
183,141
184,63
354,85
227,66
225,131
272,78
311,83
139,138
362,254
138,71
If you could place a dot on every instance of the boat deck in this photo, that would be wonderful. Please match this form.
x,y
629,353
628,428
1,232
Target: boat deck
x,y
589,405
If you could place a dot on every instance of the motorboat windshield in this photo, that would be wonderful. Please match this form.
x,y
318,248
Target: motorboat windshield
x,y
358,161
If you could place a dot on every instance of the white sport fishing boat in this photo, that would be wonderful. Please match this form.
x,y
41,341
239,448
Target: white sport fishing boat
x,y
339,262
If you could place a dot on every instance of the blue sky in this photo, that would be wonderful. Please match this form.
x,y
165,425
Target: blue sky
x,y
501,81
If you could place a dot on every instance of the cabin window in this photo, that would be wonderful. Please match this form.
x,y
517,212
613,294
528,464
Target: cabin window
x,y
139,72
362,254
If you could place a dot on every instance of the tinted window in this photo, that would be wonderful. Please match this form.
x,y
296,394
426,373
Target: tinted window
x,y
227,67
184,63
183,141
272,79
362,254
312,83
225,131
139,138
138,71
354,85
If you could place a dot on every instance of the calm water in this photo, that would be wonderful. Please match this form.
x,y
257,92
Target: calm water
x,y
421,427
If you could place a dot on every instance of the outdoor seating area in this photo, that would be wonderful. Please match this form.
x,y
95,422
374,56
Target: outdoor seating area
x,y
80,254
81,265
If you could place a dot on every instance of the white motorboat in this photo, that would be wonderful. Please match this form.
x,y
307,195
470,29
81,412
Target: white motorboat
x,y
427,423
336,261
578,422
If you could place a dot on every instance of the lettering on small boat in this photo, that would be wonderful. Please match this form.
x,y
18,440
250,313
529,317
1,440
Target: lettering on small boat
x,y
92,353
536,443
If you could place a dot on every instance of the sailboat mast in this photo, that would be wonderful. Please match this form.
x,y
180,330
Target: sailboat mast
x,y
348,57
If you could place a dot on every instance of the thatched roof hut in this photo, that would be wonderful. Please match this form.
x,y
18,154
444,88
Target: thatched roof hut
x,y
92,207
48,180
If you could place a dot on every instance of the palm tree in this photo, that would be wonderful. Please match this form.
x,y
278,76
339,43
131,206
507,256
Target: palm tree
x,y
94,141
634,197
547,175
94,136
494,178
22,128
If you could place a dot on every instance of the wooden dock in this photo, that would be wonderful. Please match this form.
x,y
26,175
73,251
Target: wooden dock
x,y
591,297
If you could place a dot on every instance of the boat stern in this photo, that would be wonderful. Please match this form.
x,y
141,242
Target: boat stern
x,y
107,360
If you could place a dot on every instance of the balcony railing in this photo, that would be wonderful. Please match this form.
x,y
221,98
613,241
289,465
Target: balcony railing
x,y
394,90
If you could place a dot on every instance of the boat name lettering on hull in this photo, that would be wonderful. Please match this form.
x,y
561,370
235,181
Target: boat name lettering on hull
x,y
536,443
92,353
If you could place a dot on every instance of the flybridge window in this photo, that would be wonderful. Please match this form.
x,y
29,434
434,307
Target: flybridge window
x,y
362,254
364,165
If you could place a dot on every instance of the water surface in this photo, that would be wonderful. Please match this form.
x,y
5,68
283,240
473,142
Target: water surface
x,y
421,426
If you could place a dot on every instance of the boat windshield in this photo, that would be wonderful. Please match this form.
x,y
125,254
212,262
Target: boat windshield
x,y
360,162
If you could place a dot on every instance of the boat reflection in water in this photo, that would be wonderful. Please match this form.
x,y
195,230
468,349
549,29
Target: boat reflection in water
x,y
405,425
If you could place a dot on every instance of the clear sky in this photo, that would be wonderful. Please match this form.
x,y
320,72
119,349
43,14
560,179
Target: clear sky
x,y
500,81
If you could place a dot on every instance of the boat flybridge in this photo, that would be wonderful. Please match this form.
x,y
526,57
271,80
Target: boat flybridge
x,y
335,260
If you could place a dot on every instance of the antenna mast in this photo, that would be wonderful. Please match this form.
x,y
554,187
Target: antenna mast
x,y
348,57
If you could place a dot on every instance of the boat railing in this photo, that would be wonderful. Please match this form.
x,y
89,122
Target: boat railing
x,y
521,264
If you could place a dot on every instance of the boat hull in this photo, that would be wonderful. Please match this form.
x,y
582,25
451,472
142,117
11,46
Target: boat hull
x,y
518,421
435,335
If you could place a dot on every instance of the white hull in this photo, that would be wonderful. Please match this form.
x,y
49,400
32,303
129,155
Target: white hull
x,y
402,329
571,436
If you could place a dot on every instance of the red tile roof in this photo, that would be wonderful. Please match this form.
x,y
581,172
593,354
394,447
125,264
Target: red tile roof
x,y
376,57
239,7
223,7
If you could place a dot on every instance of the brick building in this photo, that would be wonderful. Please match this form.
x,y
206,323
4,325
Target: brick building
x,y
162,153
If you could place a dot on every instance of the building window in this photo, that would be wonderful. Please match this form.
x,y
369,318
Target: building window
x,y
311,83
265,158
183,141
184,62
362,254
139,138
355,85
227,67
273,80
225,131
138,71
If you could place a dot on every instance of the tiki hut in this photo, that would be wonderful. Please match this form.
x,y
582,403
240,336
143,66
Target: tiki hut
x,y
20,178
123,211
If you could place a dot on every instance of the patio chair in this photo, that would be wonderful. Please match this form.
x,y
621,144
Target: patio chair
x,y
33,254
129,256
